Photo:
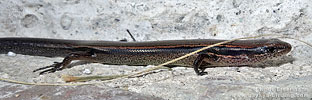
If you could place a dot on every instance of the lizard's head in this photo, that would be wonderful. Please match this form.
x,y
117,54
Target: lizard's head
x,y
275,47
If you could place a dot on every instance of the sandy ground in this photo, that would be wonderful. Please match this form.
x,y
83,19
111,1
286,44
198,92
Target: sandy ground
x,y
152,20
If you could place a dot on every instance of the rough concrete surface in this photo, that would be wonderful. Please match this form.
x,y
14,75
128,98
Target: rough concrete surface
x,y
151,20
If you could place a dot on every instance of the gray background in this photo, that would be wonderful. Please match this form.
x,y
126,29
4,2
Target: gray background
x,y
150,20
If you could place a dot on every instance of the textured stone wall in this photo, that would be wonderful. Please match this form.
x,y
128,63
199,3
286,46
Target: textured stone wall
x,y
150,20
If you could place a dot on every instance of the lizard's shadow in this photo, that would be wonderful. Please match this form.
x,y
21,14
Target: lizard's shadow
x,y
79,62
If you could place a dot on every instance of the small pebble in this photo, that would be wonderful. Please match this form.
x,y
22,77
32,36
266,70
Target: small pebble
x,y
86,71
11,54
17,95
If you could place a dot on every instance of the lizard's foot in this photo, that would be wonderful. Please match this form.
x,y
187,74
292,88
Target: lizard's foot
x,y
202,73
50,69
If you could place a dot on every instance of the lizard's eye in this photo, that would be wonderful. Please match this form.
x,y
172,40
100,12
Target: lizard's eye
x,y
271,49
268,49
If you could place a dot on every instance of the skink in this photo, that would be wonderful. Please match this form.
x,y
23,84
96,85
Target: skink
x,y
237,53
